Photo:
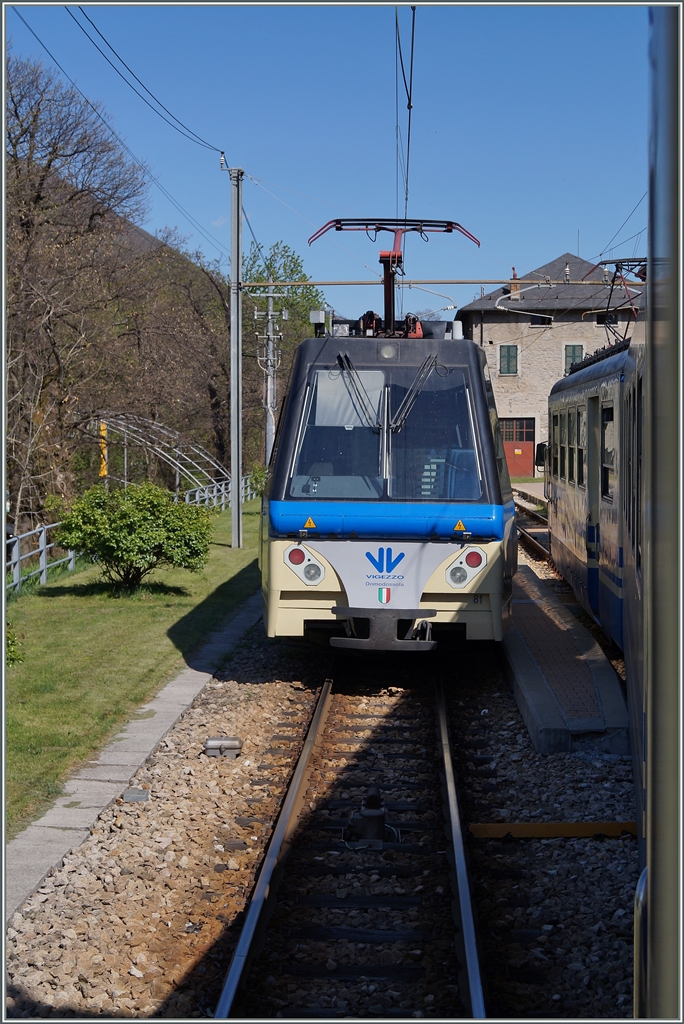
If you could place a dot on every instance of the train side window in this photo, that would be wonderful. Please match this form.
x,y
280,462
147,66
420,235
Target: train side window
x,y
638,520
563,442
627,448
572,440
554,437
581,444
607,453
632,468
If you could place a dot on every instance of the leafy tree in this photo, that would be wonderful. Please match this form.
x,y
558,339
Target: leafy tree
x,y
280,263
131,532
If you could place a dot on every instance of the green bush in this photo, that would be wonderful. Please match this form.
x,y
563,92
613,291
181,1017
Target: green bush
x,y
258,476
131,532
13,646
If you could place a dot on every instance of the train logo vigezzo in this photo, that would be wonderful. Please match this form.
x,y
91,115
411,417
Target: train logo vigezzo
x,y
384,564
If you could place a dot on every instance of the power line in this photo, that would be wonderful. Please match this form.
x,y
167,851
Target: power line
x,y
259,247
191,220
306,195
408,87
257,181
606,247
196,139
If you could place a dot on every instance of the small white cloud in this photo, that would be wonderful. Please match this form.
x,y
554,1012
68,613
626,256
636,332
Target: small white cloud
x,y
219,222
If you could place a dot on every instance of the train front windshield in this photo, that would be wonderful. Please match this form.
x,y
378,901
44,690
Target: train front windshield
x,y
399,434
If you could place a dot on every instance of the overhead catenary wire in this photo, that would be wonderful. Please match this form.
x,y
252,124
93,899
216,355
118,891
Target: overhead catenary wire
x,y
607,247
191,220
402,161
192,136
257,181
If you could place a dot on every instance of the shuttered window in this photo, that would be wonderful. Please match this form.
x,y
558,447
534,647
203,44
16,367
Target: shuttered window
x,y
508,359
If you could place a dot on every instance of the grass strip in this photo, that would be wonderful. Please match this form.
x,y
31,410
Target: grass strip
x,y
92,656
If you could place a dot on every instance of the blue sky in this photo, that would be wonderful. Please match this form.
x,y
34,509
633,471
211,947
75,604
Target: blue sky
x,y
529,124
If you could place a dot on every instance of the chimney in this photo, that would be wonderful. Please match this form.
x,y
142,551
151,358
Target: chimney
x,y
515,286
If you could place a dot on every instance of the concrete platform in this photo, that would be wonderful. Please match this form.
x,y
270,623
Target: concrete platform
x,y
565,687
533,492
41,846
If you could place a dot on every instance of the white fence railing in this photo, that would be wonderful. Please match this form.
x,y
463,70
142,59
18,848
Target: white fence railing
x,y
16,553
15,557
220,494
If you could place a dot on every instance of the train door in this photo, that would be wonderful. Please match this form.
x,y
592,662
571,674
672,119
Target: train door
x,y
609,534
593,529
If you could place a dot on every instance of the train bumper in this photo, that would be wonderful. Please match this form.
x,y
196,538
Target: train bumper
x,y
291,607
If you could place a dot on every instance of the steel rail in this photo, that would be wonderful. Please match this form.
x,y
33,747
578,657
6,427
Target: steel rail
x,y
277,850
534,544
477,1007
532,514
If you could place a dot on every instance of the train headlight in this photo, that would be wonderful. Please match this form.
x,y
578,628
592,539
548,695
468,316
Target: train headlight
x,y
458,574
463,569
304,564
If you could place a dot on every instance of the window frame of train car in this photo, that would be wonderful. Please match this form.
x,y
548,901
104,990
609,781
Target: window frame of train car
x,y
608,468
563,444
581,445
572,445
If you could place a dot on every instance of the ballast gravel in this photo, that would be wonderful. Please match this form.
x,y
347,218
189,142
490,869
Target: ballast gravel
x,y
555,915
141,919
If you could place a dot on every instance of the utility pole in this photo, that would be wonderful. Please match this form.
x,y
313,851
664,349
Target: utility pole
x,y
268,358
236,174
270,396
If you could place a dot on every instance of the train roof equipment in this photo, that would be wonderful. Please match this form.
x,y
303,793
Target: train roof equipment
x,y
392,259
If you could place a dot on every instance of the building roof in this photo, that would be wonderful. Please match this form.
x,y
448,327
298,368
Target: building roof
x,y
562,297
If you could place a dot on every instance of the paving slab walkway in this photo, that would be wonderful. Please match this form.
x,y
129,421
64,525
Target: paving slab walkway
x,y
566,689
41,846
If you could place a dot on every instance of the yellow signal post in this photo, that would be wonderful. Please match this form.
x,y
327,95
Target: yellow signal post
x,y
103,452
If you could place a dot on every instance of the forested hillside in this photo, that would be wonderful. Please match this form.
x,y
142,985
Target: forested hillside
x,y
101,315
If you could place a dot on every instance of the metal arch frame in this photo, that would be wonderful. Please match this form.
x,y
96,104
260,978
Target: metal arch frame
x,y
190,460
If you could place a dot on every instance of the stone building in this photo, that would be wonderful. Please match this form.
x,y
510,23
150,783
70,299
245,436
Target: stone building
x,y
533,333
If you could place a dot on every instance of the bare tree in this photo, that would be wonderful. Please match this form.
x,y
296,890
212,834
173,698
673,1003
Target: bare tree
x,y
69,183
102,316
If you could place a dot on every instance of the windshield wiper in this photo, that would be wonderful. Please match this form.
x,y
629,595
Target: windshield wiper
x,y
360,393
419,381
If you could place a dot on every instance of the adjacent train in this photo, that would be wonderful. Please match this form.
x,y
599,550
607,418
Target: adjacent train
x,y
613,476
594,485
388,518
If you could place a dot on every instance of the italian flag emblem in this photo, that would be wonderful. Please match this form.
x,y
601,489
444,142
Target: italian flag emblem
x,y
384,594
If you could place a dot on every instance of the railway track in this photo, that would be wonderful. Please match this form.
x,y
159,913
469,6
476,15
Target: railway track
x,y
534,535
362,906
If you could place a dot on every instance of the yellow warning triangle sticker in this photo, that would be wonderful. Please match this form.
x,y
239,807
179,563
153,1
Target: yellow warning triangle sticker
x,y
309,524
459,525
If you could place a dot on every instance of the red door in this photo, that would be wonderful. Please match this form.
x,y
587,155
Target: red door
x,y
518,439
520,457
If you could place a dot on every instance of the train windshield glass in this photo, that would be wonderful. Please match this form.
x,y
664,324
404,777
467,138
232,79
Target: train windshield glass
x,y
433,456
387,434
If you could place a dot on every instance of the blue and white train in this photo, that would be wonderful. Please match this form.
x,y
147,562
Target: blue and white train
x,y
388,519
594,485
